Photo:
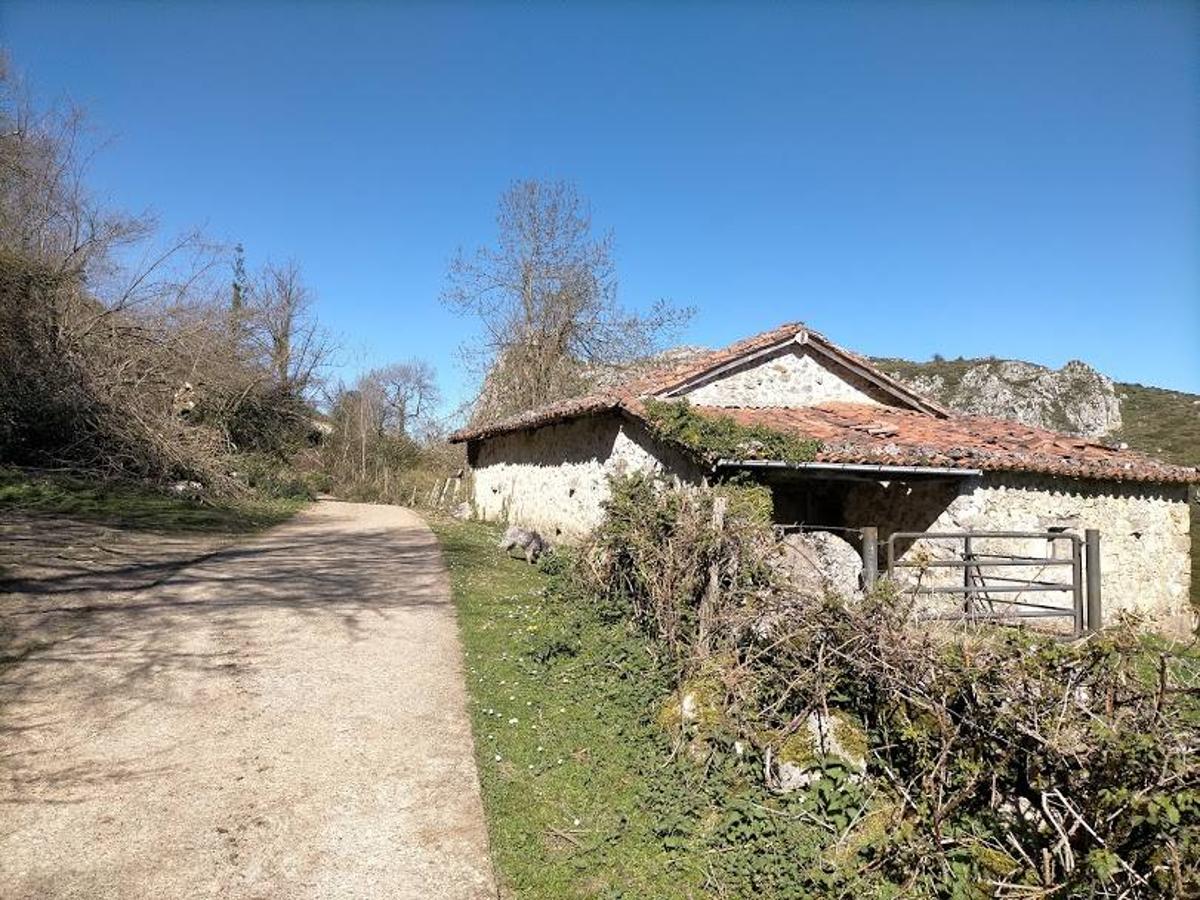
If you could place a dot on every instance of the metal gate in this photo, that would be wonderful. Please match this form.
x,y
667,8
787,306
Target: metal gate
x,y
996,585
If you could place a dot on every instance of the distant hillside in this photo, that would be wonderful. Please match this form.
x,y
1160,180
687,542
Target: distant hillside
x,y
1161,422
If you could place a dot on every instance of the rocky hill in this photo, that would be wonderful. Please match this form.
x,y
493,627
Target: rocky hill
x,y
1076,399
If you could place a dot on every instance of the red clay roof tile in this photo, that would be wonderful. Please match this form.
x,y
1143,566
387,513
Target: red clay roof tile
x,y
861,433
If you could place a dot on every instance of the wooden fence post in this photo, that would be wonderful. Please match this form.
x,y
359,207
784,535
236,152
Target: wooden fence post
x,y
1091,545
712,592
870,556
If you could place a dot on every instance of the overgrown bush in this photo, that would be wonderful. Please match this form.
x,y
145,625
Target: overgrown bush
x,y
716,437
659,557
1001,762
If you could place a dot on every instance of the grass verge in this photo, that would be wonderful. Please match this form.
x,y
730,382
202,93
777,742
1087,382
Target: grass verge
x,y
572,767
133,506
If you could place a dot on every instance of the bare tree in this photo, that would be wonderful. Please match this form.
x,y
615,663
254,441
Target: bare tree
x,y
283,328
546,295
409,394
379,425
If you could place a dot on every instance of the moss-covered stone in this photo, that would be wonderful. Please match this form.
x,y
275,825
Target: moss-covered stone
x,y
698,705
837,736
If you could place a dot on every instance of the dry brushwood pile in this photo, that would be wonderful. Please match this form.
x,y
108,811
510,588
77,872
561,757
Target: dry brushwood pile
x,y
126,354
998,762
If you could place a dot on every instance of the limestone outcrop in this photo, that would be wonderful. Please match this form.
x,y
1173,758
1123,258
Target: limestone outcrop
x,y
1076,399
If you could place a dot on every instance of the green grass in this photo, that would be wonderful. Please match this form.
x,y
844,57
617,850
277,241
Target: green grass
x,y
1162,423
571,764
133,506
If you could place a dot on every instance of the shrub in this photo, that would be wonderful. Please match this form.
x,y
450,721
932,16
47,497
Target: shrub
x,y
658,555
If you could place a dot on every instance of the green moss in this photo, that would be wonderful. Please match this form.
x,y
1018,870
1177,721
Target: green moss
x,y
800,749
704,696
876,828
748,502
849,735
993,861
714,437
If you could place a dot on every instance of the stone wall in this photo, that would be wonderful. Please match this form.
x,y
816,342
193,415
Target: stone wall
x,y
554,478
792,377
1144,530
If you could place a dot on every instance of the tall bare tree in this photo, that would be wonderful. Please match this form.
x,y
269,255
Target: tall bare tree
x,y
282,326
409,394
546,296
380,425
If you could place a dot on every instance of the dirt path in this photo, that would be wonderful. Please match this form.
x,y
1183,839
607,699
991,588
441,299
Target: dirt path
x,y
285,718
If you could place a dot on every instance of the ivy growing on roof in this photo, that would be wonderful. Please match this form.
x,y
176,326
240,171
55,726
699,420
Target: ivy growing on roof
x,y
713,436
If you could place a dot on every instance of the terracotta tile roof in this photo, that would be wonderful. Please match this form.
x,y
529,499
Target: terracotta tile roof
x,y
645,384
880,435
662,380
670,376
543,415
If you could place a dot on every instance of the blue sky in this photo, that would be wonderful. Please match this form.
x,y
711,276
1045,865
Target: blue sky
x,y
1018,179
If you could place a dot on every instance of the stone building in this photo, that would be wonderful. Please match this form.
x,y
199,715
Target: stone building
x,y
888,458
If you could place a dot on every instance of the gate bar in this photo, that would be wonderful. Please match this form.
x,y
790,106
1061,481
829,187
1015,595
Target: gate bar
x,y
1091,538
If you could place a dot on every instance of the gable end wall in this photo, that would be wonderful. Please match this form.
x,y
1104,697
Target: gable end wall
x,y
792,377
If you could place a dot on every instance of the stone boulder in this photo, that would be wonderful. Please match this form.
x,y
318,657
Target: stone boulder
x,y
820,562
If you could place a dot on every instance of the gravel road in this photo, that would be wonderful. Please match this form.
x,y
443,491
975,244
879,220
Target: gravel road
x,y
283,718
